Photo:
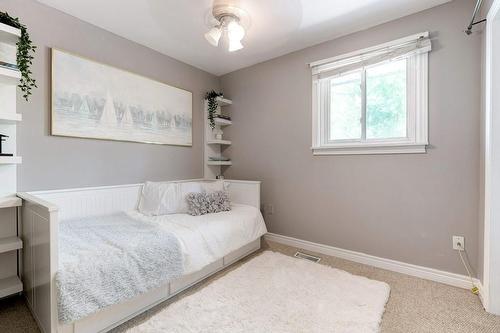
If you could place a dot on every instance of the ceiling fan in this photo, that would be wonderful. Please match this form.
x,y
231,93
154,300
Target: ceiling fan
x,y
228,23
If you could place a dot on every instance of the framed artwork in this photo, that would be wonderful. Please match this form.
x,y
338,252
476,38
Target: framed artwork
x,y
94,100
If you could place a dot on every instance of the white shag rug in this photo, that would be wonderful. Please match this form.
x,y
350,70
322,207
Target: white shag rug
x,y
277,293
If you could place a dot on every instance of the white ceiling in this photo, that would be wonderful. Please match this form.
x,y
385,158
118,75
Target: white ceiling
x,y
277,27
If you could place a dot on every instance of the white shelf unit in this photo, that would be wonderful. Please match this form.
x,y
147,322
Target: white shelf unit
x,y
9,76
219,163
10,285
224,101
11,160
214,147
9,119
10,242
222,122
8,34
10,202
219,142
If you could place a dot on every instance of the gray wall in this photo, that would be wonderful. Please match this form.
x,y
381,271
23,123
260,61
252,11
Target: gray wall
x,y
403,207
56,162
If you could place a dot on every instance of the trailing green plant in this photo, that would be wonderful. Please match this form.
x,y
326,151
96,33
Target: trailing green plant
x,y
25,50
211,98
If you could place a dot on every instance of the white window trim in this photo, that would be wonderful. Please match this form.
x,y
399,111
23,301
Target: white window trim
x,y
417,106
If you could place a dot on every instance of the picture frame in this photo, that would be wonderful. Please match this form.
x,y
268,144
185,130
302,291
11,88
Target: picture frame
x,y
93,100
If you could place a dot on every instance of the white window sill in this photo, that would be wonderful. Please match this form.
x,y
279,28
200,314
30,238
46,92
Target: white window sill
x,y
369,149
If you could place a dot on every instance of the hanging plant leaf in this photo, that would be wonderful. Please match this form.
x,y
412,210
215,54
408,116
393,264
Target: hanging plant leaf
x,y
25,49
211,97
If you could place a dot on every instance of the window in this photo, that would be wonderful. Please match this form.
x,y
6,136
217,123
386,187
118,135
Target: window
x,y
372,101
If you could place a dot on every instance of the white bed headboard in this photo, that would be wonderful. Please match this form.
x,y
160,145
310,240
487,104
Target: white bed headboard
x,y
105,200
92,201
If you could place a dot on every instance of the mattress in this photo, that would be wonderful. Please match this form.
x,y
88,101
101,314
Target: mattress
x,y
207,238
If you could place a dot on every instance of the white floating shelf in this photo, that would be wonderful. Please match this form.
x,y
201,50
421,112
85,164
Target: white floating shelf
x,y
222,122
224,101
9,76
219,142
9,34
219,163
8,202
10,244
11,160
10,285
10,118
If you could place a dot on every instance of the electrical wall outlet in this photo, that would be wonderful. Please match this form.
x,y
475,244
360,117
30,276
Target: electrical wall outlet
x,y
458,243
269,209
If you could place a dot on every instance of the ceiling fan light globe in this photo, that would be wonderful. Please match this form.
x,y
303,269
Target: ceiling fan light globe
x,y
235,45
235,31
213,36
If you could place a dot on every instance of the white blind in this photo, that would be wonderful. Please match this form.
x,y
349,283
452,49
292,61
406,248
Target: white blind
x,y
404,47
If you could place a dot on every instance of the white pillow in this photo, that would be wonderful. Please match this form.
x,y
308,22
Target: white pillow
x,y
169,198
213,186
162,198
150,198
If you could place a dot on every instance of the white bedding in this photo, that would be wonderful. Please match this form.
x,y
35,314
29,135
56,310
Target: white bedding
x,y
206,238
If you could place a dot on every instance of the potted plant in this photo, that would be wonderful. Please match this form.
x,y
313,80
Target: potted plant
x,y
25,48
211,98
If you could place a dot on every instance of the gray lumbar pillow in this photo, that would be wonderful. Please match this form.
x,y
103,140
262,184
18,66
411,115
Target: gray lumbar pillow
x,y
206,203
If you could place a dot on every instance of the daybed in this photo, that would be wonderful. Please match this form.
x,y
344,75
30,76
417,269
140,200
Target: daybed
x,y
43,211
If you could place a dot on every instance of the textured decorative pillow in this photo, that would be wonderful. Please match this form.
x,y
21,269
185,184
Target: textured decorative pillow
x,y
184,189
206,203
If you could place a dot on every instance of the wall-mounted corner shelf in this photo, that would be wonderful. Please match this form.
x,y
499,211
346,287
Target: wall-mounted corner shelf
x,y
10,285
219,142
10,244
212,145
9,34
9,76
219,163
11,160
222,122
224,101
8,202
8,118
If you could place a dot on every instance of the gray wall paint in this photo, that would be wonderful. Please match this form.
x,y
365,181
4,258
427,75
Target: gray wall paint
x,y
403,207
55,162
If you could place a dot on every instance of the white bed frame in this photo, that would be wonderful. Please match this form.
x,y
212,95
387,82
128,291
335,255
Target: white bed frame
x,y
40,214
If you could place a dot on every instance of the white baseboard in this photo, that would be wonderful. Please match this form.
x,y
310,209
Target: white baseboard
x,y
452,279
483,295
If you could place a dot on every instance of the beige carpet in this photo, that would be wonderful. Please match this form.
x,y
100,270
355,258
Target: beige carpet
x,y
415,305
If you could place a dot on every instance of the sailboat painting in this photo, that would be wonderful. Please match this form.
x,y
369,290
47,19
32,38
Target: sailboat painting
x,y
93,100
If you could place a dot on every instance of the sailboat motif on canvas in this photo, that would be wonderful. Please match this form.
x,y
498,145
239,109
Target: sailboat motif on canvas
x,y
93,100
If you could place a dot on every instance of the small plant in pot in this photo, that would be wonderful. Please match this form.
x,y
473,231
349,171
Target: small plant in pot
x,y
25,50
211,98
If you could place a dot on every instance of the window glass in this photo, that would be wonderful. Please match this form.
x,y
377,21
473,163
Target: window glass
x,y
345,107
386,100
